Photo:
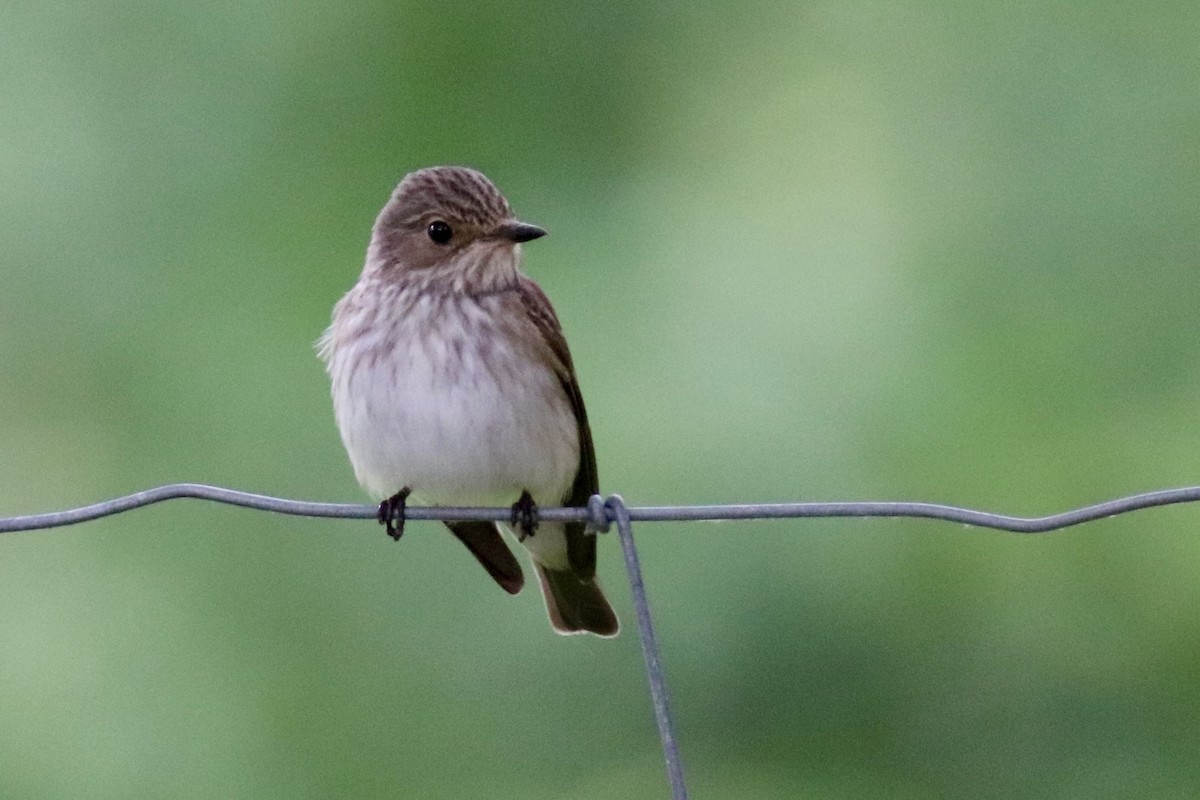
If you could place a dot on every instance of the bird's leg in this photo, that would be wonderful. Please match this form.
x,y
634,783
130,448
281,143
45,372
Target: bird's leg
x,y
524,516
391,513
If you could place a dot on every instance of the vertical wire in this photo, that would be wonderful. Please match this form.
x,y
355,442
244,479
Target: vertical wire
x,y
654,669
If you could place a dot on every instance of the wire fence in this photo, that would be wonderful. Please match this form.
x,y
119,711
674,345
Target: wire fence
x,y
600,514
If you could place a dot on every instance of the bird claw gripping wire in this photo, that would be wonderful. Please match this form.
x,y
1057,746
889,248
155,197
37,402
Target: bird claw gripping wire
x,y
524,516
391,513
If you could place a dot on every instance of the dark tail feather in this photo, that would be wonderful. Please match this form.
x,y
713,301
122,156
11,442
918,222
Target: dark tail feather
x,y
485,543
576,605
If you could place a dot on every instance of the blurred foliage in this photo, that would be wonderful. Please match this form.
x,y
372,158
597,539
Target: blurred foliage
x,y
915,250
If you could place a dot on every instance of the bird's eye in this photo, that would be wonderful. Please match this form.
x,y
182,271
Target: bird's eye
x,y
439,231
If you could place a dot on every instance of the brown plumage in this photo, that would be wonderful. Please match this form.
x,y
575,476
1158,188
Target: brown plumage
x,y
452,379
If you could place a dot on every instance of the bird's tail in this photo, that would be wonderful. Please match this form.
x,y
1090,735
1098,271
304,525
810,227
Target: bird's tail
x,y
576,605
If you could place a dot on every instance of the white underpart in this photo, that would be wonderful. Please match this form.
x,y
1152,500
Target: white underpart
x,y
460,419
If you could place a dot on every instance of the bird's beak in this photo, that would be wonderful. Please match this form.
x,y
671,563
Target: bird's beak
x,y
519,231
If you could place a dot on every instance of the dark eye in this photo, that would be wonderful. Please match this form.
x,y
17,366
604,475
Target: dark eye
x,y
440,232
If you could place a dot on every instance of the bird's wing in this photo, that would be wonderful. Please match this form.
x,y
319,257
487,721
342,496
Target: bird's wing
x,y
581,548
484,541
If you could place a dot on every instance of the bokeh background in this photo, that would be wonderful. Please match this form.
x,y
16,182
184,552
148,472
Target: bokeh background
x,y
802,251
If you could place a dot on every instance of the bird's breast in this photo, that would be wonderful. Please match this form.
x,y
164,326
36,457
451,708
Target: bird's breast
x,y
457,405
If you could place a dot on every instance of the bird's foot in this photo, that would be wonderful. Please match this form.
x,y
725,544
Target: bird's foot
x,y
391,513
524,516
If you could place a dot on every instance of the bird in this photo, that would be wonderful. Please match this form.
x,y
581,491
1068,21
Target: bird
x,y
452,384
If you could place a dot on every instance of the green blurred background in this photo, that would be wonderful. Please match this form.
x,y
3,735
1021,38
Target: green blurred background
x,y
802,251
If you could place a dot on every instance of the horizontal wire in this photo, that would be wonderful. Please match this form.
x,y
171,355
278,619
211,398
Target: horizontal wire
x,y
599,516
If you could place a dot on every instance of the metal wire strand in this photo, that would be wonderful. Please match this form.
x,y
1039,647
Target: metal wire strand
x,y
650,652
598,512
599,515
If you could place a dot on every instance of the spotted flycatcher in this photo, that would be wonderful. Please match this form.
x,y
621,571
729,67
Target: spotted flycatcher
x,y
452,381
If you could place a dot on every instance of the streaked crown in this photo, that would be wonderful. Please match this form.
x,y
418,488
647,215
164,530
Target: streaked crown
x,y
460,193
